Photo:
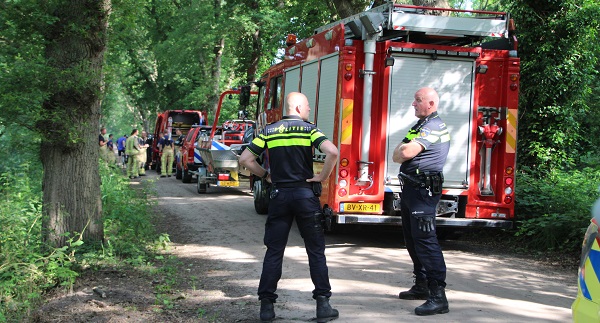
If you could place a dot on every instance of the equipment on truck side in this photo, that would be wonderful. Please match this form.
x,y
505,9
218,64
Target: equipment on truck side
x,y
360,74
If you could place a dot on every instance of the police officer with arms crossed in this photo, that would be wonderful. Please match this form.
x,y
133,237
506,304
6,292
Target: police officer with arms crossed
x,y
290,143
423,154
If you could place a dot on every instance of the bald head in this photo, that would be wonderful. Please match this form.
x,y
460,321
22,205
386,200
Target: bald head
x,y
426,102
297,105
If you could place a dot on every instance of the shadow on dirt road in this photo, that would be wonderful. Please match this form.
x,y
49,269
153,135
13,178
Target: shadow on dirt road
x,y
217,239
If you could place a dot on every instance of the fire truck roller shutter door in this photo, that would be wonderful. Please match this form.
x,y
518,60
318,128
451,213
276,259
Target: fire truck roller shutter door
x,y
453,79
310,77
292,82
327,96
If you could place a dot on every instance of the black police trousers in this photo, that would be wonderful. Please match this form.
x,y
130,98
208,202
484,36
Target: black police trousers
x,y
301,204
423,247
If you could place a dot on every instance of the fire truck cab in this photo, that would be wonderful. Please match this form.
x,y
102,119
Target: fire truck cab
x,y
360,74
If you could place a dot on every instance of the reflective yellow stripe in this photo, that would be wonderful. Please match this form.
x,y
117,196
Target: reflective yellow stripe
x,y
348,105
289,142
434,136
412,134
591,275
316,135
259,142
511,131
289,139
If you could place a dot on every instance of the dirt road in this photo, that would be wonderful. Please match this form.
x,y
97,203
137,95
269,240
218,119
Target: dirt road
x,y
217,241
219,236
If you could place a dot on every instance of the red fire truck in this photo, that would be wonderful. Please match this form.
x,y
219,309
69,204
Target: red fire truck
x,y
360,75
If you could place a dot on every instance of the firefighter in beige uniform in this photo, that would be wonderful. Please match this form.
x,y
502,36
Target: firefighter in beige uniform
x,y
142,157
132,149
166,161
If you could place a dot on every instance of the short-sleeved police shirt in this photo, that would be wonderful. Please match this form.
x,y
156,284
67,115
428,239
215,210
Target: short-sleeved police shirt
x,y
432,134
289,143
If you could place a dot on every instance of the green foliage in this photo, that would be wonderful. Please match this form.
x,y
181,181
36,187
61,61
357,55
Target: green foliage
x,y
558,128
558,46
127,218
554,210
27,267
24,78
162,54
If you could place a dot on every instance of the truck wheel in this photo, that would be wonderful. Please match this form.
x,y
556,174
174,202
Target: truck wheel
x,y
187,176
178,173
261,194
202,188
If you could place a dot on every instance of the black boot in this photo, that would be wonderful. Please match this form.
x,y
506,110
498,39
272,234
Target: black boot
x,y
436,303
324,311
418,291
267,313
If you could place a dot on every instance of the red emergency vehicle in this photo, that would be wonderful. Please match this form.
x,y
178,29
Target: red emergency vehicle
x,y
171,120
187,158
219,149
360,75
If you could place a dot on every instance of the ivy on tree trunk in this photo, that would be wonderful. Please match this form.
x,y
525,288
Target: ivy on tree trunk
x,y
75,45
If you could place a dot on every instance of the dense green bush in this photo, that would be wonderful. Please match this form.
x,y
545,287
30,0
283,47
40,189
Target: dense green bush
x,y
128,228
553,210
28,268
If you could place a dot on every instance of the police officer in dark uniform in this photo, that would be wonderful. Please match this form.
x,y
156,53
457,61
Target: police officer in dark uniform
x,y
423,154
295,188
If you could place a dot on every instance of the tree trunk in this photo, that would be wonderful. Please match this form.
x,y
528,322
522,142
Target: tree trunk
x,y
254,56
216,74
345,8
433,4
69,149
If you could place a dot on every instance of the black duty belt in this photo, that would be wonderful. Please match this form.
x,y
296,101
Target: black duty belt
x,y
430,180
297,184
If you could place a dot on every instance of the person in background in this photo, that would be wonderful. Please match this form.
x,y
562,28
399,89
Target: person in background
x,y
121,149
178,140
149,151
132,149
294,195
111,150
422,155
166,160
157,150
142,157
102,141
203,120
